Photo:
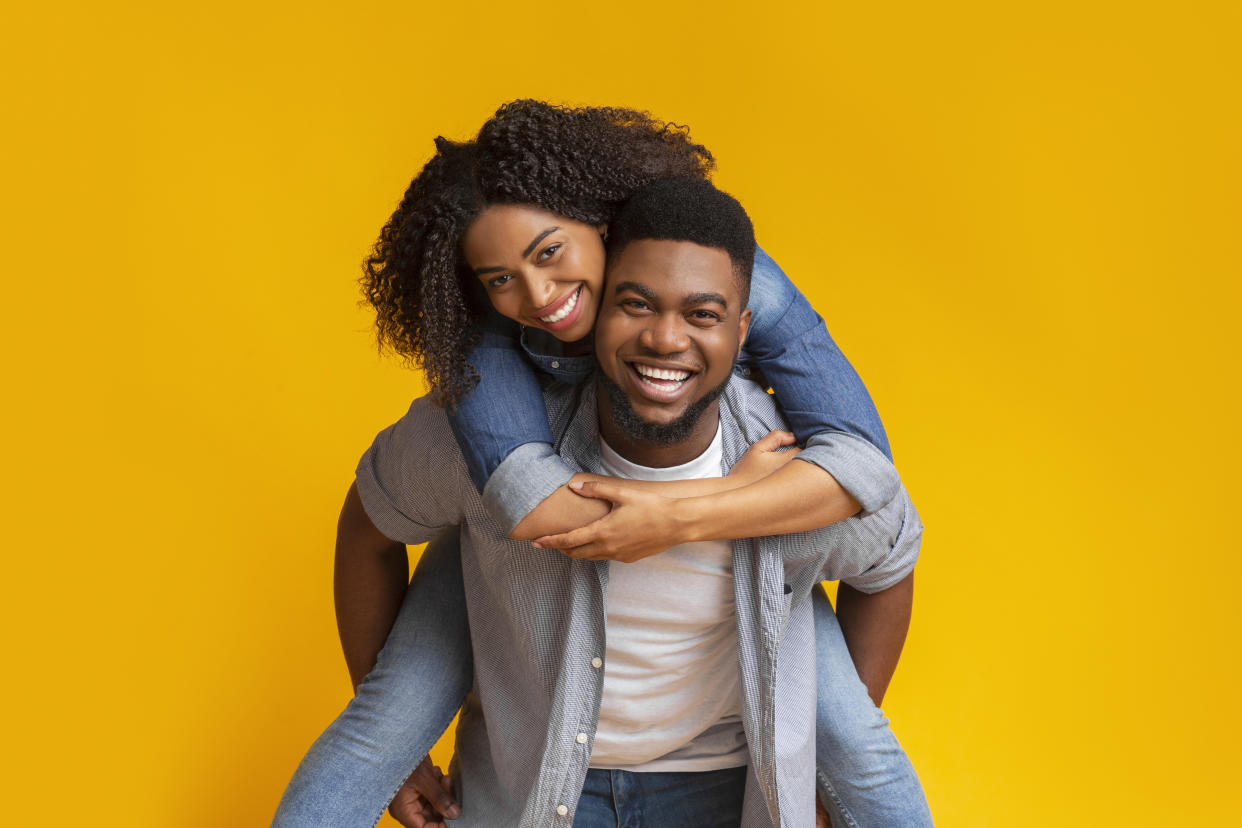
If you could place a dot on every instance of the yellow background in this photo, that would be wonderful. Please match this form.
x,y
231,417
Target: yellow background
x,y
1021,222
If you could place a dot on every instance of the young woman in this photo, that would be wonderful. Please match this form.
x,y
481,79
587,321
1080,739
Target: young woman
x,y
511,229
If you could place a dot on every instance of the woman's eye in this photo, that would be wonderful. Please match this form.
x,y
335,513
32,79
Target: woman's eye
x,y
548,252
498,281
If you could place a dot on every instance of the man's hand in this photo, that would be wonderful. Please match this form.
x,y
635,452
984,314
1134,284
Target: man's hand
x,y
764,458
640,524
424,798
822,820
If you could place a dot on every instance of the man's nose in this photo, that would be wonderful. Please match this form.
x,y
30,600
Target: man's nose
x,y
665,335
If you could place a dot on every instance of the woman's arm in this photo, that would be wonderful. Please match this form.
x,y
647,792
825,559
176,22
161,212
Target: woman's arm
x,y
825,403
819,391
502,430
817,388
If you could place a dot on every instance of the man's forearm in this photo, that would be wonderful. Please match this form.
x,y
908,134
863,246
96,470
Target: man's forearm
x,y
874,627
371,575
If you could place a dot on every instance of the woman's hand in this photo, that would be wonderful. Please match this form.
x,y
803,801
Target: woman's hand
x,y
426,798
764,458
640,524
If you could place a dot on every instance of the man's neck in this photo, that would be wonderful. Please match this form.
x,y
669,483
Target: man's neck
x,y
658,455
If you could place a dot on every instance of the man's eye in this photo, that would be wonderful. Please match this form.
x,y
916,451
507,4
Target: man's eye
x,y
498,281
549,251
705,316
634,304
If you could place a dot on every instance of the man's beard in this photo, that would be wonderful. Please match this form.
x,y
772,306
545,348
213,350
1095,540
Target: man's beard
x,y
667,434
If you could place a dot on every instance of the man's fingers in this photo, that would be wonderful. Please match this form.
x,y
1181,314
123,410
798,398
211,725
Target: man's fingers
x,y
442,799
822,820
434,788
409,809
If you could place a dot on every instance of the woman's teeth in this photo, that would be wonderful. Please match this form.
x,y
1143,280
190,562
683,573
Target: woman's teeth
x,y
565,310
662,375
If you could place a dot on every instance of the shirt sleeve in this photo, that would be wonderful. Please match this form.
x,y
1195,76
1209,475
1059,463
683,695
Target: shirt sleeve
x,y
857,465
412,480
875,552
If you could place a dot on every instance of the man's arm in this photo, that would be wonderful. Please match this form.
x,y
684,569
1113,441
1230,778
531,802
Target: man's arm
x,y
371,576
874,626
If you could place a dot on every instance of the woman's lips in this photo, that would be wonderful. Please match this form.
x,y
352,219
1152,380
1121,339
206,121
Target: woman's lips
x,y
562,313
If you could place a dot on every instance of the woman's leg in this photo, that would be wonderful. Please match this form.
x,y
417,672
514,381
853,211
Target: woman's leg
x,y
864,775
422,675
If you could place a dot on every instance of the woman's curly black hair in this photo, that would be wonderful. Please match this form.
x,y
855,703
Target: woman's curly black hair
x,y
582,163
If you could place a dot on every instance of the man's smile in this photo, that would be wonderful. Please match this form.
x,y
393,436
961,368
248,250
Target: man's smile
x,y
661,382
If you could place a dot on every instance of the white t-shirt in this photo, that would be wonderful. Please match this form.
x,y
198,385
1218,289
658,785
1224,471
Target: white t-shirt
x,y
671,700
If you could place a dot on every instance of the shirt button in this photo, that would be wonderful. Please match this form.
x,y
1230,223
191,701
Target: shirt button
x,y
597,662
581,738
561,810
556,364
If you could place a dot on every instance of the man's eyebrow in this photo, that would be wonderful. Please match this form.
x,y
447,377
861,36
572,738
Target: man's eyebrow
x,y
634,287
702,298
480,271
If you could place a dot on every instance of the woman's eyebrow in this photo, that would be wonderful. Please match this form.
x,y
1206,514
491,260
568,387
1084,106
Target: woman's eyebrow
x,y
538,239
480,271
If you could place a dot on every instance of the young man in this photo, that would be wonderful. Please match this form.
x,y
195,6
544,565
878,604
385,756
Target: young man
x,y
679,689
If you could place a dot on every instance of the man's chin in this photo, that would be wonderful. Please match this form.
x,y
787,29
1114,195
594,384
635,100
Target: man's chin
x,y
667,428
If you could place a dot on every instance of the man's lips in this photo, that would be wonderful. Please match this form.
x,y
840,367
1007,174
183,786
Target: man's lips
x,y
562,313
661,383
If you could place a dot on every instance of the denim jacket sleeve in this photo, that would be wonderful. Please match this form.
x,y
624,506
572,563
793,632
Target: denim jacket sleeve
x,y
504,418
505,410
817,388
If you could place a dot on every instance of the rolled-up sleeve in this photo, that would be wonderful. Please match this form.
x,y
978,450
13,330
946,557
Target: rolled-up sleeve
x,y
873,553
413,481
522,481
860,468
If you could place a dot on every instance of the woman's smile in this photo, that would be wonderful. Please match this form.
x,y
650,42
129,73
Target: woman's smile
x,y
562,313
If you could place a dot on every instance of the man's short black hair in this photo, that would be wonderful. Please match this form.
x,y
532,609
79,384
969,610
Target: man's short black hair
x,y
687,209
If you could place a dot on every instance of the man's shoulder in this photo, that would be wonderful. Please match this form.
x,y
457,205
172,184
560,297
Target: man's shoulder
x,y
753,411
421,439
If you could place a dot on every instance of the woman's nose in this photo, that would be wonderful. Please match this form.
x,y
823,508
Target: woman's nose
x,y
541,292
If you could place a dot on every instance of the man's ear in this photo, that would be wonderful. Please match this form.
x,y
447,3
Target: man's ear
x,y
602,229
743,328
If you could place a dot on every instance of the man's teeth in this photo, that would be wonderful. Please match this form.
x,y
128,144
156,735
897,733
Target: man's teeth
x,y
667,374
565,309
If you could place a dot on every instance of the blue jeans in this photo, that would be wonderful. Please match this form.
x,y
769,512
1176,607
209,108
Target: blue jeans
x,y
788,349
354,769
621,799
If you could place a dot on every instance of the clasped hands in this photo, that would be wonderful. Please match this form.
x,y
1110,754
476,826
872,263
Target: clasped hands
x,y
643,522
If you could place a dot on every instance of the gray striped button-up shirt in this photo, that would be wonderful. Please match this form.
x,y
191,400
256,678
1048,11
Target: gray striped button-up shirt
x,y
537,617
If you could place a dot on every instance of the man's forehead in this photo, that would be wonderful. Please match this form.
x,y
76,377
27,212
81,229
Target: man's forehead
x,y
668,268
